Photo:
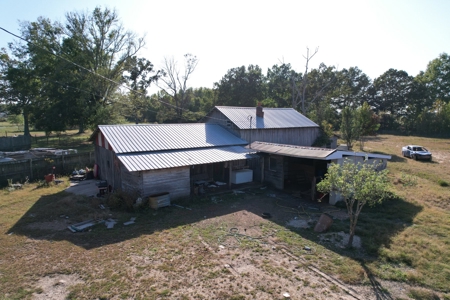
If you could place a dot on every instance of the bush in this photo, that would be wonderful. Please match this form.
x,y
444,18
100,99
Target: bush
x,y
443,183
121,200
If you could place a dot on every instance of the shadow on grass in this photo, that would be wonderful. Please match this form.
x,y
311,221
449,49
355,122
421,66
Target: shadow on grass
x,y
380,292
49,217
46,220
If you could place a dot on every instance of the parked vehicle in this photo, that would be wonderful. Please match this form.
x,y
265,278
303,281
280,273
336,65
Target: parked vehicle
x,y
416,152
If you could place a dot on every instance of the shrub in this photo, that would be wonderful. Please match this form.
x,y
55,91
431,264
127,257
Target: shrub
x,y
443,183
121,200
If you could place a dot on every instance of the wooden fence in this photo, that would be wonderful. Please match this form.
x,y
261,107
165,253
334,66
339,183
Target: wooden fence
x,y
21,142
36,168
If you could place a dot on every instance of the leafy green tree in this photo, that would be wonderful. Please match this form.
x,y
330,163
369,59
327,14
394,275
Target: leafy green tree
x,y
350,127
393,91
358,185
279,85
241,87
437,78
368,122
20,90
139,76
351,88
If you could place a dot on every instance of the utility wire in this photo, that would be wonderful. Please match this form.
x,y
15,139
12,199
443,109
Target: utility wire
x,y
110,80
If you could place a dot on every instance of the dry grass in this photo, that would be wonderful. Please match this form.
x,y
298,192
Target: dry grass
x,y
175,254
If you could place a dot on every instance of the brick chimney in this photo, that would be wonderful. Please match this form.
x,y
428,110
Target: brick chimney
x,y
259,110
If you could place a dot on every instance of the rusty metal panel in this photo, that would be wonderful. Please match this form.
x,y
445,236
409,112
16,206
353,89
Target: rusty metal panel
x,y
292,150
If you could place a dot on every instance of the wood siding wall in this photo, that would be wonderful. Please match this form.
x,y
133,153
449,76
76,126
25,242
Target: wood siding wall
x,y
274,176
132,182
301,136
109,166
304,136
176,181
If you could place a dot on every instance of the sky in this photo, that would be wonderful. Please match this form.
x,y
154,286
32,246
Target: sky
x,y
371,35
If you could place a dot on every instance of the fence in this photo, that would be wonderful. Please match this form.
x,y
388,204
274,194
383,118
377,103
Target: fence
x,y
35,169
21,142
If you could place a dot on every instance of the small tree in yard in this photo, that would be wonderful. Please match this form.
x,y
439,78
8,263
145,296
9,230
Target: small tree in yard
x,y
358,184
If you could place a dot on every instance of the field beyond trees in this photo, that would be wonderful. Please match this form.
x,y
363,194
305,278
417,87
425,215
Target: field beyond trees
x,y
222,248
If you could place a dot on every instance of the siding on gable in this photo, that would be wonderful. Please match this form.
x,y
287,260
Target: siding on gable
x,y
291,136
176,181
300,136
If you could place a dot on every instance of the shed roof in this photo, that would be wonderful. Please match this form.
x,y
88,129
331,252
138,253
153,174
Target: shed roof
x,y
311,152
273,117
180,158
157,137
292,150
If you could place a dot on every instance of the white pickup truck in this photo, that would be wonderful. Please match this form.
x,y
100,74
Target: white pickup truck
x,y
416,152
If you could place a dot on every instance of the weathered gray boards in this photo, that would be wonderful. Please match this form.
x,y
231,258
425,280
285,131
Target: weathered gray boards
x,y
21,142
147,159
273,125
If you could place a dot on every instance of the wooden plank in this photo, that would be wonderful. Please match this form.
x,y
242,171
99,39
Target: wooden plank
x,y
174,180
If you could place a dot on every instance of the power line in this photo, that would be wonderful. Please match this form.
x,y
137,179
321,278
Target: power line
x,y
110,80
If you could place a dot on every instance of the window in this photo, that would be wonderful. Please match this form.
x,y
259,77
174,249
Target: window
x,y
228,123
272,164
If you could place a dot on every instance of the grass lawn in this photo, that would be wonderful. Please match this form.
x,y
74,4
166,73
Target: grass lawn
x,y
223,249
69,139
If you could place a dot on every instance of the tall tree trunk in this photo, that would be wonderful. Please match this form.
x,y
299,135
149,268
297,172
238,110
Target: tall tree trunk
x,y
81,128
26,126
351,233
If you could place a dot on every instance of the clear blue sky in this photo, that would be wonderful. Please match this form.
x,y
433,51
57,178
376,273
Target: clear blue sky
x,y
372,35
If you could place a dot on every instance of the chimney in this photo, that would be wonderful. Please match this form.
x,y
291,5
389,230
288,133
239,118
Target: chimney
x,y
259,110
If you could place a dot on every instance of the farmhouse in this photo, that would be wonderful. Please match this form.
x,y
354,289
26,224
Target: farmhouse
x,y
158,158
232,145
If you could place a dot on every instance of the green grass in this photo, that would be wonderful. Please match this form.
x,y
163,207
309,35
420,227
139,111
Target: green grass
x,y
405,239
69,139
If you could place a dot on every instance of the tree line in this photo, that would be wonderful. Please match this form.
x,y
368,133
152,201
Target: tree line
x,y
87,71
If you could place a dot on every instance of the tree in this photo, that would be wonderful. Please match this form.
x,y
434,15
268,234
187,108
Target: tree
x,y
437,78
350,128
368,122
241,87
175,85
97,42
358,185
393,92
301,86
279,86
23,70
140,75
351,88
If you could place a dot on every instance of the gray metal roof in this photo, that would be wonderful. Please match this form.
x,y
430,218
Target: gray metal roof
x,y
273,117
179,158
292,150
157,137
